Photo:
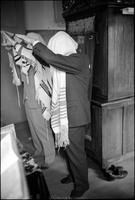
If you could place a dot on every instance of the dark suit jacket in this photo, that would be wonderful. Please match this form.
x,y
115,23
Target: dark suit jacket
x,y
76,67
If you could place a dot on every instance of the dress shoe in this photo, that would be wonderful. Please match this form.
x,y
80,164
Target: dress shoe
x,y
120,174
115,168
112,175
78,193
67,179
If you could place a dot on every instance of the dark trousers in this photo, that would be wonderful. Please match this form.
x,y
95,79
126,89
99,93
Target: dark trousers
x,y
76,157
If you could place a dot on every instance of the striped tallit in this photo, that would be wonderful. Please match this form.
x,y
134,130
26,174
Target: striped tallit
x,y
42,77
60,43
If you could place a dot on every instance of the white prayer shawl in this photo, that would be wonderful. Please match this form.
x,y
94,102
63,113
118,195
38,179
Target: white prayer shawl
x,y
16,79
60,43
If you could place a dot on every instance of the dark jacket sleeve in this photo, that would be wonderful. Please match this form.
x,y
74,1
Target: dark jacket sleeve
x,y
71,64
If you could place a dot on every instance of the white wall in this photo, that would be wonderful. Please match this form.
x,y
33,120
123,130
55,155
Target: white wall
x,y
41,15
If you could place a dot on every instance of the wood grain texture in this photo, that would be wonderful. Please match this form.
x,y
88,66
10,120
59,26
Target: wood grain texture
x,y
113,71
112,131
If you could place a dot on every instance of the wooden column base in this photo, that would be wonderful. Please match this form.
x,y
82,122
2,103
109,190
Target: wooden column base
x,y
112,131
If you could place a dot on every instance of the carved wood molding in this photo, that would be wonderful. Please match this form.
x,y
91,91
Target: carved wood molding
x,y
82,26
74,6
71,7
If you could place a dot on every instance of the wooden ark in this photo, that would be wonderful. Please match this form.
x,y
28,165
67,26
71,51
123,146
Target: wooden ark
x,y
106,35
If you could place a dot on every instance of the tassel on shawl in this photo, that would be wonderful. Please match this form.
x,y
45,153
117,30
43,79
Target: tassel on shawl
x,y
16,80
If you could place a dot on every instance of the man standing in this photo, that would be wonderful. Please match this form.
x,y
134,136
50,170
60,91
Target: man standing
x,y
62,55
41,132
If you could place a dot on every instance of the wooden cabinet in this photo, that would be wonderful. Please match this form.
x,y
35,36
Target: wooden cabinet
x,y
113,76
112,60
112,131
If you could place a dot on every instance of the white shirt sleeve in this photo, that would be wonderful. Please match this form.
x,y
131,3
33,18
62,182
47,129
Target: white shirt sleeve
x,y
35,42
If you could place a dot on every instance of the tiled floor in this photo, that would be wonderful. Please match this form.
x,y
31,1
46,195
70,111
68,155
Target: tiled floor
x,y
100,188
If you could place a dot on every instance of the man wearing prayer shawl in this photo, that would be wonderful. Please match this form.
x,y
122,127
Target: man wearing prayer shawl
x,y
70,72
31,78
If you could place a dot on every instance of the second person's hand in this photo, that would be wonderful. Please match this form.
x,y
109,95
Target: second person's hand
x,y
25,38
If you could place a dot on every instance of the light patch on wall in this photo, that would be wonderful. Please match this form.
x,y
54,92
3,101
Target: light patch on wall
x,y
58,11
39,15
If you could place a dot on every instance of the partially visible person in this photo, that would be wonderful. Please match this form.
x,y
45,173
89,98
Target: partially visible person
x,y
33,79
64,60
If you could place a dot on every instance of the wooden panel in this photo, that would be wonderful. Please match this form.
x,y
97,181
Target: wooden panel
x,y
113,71
112,133
120,55
100,70
96,134
128,143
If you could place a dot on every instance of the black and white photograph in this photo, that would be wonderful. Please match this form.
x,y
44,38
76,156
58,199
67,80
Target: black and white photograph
x,y
67,99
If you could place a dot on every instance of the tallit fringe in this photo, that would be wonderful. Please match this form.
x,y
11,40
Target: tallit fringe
x,y
61,138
